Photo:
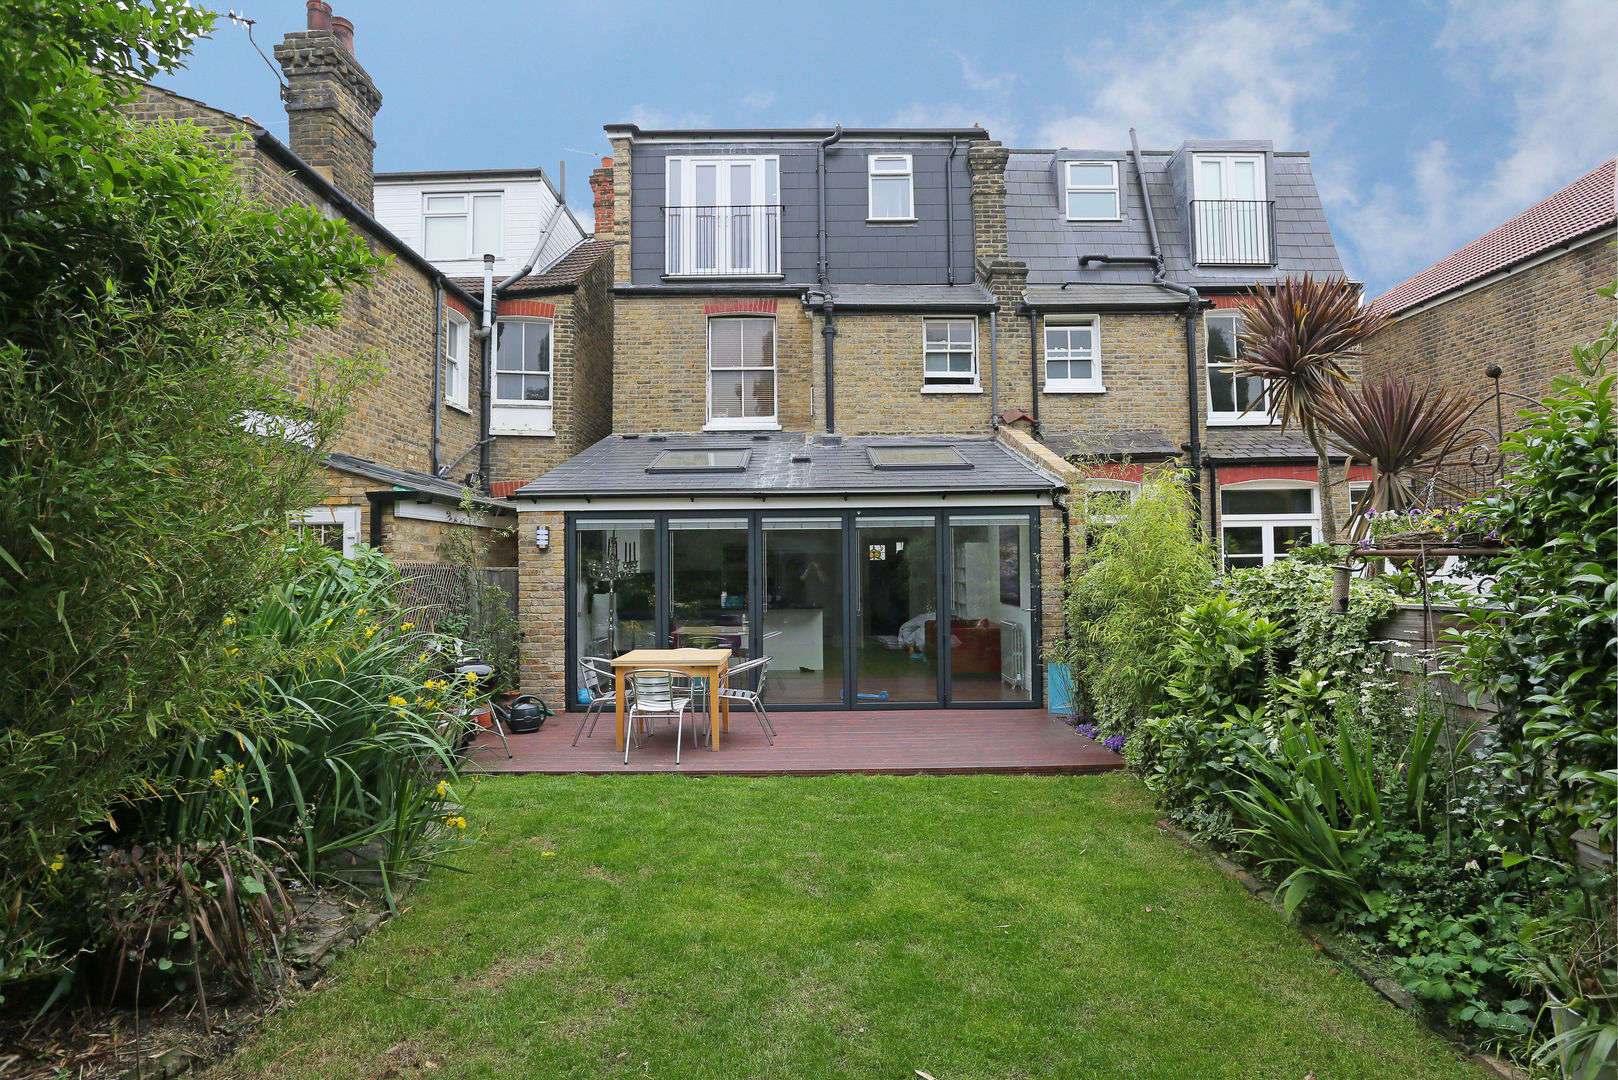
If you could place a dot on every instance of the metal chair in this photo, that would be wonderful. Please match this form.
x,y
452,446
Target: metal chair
x,y
754,698
601,684
656,694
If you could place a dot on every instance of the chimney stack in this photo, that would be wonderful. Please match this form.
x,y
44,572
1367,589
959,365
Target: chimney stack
x,y
601,184
330,102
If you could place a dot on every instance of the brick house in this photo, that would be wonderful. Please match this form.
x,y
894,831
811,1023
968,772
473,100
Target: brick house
x,y
804,460
1519,297
384,481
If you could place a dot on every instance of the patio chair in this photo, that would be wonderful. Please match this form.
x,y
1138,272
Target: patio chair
x,y
599,682
657,693
753,698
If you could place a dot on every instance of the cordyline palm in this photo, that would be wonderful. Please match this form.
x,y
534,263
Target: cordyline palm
x,y
1400,430
1294,336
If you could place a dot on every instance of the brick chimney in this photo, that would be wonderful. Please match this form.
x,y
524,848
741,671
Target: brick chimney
x,y
330,102
601,184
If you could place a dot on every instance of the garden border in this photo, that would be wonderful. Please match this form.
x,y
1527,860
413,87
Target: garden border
x,y
1329,944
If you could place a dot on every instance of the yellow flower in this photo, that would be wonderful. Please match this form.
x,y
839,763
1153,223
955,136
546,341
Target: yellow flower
x,y
58,862
471,676
396,701
230,620
443,789
365,611
231,652
407,626
422,659
546,854
255,800
369,630
330,621
219,777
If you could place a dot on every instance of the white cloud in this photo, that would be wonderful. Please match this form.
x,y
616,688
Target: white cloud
x,y
1234,71
1552,65
759,99
975,78
652,118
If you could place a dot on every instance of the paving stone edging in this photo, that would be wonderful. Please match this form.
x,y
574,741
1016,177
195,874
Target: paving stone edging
x,y
1333,947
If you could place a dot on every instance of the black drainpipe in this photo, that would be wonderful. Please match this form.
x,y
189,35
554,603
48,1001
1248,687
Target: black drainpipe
x,y
485,406
994,371
438,370
1193,308
949,214
828,324
1033,363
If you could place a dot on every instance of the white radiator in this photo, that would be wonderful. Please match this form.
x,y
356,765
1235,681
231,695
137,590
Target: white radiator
x,y
1013,654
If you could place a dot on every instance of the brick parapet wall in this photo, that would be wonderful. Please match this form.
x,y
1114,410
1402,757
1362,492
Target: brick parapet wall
x,y
621,153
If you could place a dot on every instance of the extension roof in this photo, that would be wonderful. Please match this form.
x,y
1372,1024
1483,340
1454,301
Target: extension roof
x,y
1583,207
564,275
784,464
432,487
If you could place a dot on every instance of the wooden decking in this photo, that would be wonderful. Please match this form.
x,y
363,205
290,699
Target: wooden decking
x,y
815,743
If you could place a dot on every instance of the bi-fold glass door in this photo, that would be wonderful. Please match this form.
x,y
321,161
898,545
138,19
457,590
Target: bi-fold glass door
x,y
856,609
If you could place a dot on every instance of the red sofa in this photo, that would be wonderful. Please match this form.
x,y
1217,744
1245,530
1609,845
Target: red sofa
x,y
975,648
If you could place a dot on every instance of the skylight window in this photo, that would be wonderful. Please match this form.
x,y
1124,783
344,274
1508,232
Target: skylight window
x,y
917,457
700,461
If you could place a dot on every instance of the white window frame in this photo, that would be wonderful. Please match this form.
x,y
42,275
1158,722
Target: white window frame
x,y
908,175
457,384
686,233
1069,187
549,372
744,423
947,382
1092,385
466,213
1268,523
1261,239
346,516
1224,418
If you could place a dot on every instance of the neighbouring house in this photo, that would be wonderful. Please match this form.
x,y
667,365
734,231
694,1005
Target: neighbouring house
x,y
1127,269
545,373
804,460
385,484
1515,300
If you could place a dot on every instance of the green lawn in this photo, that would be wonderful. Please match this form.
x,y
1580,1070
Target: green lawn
x,y
970,927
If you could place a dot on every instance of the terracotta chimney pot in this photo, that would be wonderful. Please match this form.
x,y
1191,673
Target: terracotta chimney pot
x,y
319,15
344,31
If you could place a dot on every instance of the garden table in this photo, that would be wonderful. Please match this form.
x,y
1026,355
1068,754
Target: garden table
x,y
710,664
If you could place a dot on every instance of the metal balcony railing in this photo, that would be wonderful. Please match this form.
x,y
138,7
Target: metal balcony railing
x,y
721,241
1233,232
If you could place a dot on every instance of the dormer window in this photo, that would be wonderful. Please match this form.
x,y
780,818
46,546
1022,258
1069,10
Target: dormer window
x,y
1092,190
460,225
891,187
1230,210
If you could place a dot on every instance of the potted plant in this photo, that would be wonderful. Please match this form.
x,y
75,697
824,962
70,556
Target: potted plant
x,y
1579,973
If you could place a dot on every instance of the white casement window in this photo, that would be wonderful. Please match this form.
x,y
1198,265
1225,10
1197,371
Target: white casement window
x,y
457,337
741,372
1232,398
1230,210
890,188
460,225
335,527
1073,355
522,362
949,354
723,217
1262,520
1091,190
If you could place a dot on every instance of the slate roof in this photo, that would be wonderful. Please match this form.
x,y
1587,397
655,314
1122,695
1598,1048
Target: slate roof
x,y
564,275
1105,298
616,467
1583,207
1038,232
1110,445
405,480
967,297
1234,444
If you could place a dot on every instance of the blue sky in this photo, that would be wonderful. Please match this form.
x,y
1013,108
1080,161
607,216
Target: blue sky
x,y
1428,121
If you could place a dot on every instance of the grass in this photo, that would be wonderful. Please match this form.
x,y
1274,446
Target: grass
x,y
971,927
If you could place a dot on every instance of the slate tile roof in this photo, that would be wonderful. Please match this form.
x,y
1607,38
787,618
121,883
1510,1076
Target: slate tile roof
x,y
1583,207
1110,445
1037,229
563,275
785,463
405,480
1229,444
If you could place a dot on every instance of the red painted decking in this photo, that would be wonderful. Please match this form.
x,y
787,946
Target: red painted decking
x,y
810,743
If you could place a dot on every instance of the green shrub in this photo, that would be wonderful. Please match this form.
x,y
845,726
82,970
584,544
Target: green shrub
x,y
1124,597
1297,595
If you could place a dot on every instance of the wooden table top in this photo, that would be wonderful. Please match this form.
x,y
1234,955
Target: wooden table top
x,y
655,658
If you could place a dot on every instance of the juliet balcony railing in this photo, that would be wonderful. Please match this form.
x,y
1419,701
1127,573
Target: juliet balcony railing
x,y
721,241
1233,232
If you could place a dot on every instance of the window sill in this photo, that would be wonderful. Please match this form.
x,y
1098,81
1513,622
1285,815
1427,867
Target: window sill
x,y
892,221
1241,421
1073,388
944,388
741,425
513,433
458,406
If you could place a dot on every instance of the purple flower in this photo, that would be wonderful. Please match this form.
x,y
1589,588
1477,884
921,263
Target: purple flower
x,y
1089,731
1114,743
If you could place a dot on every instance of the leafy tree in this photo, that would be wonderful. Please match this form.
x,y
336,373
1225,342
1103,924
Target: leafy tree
x,y
1295,336
151,444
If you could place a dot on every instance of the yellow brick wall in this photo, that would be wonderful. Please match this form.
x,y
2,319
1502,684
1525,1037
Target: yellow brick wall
x,y
878,378
541,607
